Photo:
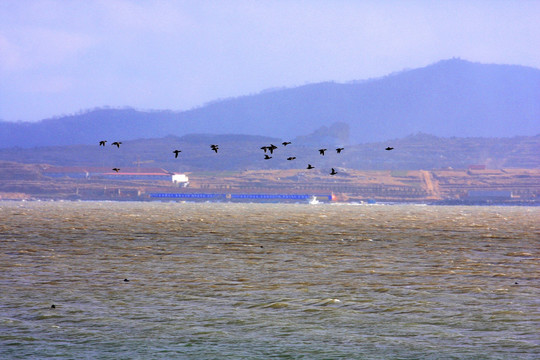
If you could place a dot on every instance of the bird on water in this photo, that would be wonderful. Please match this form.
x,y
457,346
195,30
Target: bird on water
x,y
176,152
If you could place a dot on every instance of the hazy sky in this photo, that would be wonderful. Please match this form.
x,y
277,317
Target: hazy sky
x,y
61,56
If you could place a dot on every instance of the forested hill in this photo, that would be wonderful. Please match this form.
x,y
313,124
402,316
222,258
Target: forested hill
x,y
449,98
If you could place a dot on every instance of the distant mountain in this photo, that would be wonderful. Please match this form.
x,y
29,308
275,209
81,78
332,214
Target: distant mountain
x,y
241,152
449,98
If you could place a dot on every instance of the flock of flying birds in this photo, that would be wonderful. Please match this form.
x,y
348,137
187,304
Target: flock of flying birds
x,y
266,149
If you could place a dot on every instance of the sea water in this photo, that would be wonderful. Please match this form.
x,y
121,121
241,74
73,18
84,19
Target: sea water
x,y
268,281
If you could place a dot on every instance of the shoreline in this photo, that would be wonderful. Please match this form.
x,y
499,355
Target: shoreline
x,y
290,202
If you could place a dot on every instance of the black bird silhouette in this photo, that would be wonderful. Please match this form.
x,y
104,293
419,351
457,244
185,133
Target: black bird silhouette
x,y
339,150
266,157
321,151
389,148
265,148
309,166
214,147
117,143
176,152
291,158
116,169
272,147
102,142
334,172
285,143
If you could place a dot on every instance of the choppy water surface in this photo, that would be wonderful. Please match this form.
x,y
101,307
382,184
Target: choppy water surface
x,y
213,281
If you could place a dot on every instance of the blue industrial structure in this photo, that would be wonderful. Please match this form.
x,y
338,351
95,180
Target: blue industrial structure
x,y
238,196
189,196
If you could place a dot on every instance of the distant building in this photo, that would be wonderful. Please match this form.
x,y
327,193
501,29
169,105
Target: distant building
x,y
180,179
477,167
89,172
489,194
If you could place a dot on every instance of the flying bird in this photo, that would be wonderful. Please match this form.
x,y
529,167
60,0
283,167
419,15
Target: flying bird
x,y
265,148
116,169
102,142
291,158
176,152
339,150
272,147
321,151
333,172
285,143
309,166
389,148
266,157
117,143
214,147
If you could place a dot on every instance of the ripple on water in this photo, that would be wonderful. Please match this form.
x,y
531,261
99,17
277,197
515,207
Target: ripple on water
x,y
252,280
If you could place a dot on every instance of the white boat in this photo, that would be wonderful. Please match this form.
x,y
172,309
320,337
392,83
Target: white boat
x,y
313,200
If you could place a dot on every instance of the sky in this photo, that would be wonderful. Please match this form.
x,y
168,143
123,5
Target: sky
x,y
61,57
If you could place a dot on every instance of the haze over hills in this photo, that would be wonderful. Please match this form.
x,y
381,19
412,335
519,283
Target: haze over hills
x,y
450,98
242,152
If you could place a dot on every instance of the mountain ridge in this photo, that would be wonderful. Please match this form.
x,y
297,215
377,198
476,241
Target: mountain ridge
x,y
449,98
